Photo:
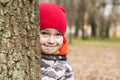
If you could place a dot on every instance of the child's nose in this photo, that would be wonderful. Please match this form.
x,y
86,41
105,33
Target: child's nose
x,y
51,39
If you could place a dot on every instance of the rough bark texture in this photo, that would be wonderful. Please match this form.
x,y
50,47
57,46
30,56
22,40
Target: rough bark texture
x,y
19,40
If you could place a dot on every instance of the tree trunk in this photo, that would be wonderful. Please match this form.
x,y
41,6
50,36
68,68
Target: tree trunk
x,y
93,26
19,40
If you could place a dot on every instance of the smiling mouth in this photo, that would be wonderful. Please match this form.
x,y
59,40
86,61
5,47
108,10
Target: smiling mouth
x,y
50,45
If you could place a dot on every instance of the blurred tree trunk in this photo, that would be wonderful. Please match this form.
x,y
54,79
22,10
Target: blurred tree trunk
x,y
58,1
69,7
94,17
92,21
19,40
70,10
84,5
77,19
77,24
80,19
104,32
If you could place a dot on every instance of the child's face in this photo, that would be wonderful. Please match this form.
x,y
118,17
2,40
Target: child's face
x,y
51,40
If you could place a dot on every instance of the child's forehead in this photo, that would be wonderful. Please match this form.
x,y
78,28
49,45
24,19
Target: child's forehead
x,y
50,30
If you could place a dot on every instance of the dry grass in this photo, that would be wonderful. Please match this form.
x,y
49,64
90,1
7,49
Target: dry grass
x,y
95,62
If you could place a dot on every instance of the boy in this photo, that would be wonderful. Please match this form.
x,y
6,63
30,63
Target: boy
x,y
53,43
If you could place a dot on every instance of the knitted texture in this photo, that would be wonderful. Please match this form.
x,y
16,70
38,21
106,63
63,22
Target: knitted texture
x,y
52,16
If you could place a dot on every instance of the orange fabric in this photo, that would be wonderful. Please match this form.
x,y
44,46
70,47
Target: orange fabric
x,y
64,49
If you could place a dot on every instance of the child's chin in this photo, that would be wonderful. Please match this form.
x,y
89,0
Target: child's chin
x,y
51,52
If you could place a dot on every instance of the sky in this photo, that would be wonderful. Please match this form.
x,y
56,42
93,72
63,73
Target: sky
x,y
108,9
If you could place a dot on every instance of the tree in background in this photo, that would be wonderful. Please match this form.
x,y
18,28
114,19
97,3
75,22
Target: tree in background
x,y
19,40
70,10
81,13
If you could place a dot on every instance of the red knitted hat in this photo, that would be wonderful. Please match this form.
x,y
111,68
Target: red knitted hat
x,y
52,16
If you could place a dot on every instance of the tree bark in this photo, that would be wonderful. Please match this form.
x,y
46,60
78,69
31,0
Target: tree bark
x,y
19,40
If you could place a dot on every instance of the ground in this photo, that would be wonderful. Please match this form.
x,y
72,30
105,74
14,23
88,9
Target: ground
x,y
95,62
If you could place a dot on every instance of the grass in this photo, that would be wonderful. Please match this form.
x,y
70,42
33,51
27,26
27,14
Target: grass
x,y
98,41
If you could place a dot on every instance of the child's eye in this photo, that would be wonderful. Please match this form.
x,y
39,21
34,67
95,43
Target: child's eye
x,y
58,34
44,33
